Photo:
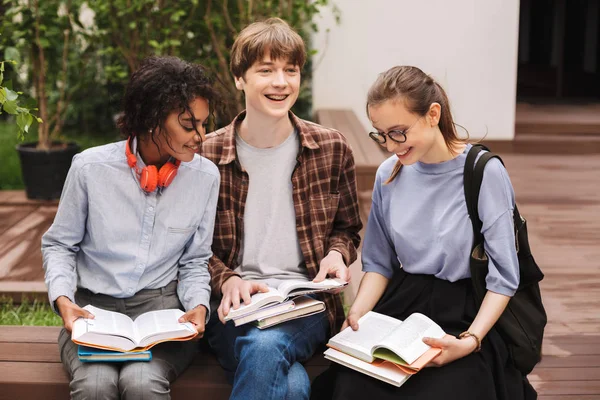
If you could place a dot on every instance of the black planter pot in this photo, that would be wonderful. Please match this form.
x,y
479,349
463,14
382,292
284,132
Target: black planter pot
x,y
44,172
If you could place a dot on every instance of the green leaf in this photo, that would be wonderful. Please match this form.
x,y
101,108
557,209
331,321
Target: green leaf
x,y
10,107
29,122
2,95
132,25
10,95
22,121
154,43
11,53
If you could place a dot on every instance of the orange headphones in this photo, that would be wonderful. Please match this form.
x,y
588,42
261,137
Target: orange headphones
x,y
151,178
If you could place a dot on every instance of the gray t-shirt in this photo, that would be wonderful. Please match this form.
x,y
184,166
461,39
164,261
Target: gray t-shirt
x,y
270,250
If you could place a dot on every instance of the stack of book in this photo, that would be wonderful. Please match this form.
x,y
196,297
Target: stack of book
x,y
386,348
287,301
112,336
91,354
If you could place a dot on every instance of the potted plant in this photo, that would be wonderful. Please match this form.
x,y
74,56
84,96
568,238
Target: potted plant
x,y
52,40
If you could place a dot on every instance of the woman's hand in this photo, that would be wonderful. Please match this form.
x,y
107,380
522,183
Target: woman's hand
x,y
371,288
352,320
452,349
197,316
69,312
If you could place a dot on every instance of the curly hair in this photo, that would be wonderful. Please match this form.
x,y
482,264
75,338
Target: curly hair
x,y
160,86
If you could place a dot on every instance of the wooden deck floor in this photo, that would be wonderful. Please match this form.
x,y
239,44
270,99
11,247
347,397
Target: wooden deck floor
x,y
560,197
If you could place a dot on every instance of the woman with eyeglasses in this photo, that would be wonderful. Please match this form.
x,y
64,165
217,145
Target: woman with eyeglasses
x,y
134,229
417,246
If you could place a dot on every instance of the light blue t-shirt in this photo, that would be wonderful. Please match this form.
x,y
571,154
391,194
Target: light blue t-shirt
x,y
420,220
111,237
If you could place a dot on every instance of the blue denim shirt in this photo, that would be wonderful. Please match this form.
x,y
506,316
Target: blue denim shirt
x,y
110,237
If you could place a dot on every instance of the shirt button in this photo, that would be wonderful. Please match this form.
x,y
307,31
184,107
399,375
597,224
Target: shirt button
x,y
146,237
130,290
150,209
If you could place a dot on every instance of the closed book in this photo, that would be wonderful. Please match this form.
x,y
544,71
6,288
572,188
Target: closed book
x,y
378,369
303,307
264,313
90,354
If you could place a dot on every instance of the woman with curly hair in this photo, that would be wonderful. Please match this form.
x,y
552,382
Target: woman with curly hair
x,y
134,227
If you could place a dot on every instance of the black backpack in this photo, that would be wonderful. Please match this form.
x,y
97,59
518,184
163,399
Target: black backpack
x,y
521,326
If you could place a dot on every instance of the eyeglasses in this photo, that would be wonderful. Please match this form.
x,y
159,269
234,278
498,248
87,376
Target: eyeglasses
x,y
395,135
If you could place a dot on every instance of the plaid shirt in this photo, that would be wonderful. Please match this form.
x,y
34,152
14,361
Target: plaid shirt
x,y
324,195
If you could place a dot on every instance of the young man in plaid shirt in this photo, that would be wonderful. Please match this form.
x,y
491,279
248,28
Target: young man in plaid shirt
x,y
287,209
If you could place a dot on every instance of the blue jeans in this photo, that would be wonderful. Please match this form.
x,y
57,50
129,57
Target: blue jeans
x,y
266,364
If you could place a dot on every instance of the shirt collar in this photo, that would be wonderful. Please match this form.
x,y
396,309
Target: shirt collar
x,y
305,132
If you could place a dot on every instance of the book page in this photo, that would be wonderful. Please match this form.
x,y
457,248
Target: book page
x,y
298,287
109,323
161,324
407,340
258,300
372,329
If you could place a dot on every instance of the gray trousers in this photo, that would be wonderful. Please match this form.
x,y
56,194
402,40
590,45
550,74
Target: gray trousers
x,y
129,380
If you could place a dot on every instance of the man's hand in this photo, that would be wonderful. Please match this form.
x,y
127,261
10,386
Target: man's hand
x,y
70,311
333,265
234,289
197,316
452,349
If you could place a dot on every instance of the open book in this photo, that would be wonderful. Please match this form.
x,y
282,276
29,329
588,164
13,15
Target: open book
x,y
281,293
382,339
115,331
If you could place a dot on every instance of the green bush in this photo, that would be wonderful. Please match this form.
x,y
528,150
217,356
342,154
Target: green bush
x,y
82,52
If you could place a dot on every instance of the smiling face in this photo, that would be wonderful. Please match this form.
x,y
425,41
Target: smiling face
x,y
180,138
424,141
270,86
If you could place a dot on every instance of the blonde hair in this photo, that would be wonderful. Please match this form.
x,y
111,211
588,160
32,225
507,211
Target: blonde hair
x,y
418,91
274,36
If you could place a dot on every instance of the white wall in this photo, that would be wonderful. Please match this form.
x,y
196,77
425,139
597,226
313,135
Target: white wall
x,y
469,46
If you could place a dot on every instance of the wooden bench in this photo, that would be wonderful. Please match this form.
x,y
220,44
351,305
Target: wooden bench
x,y
368,155
30,368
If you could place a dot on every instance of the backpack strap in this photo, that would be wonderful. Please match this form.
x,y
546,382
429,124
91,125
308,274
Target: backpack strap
x,y
473,177
470,198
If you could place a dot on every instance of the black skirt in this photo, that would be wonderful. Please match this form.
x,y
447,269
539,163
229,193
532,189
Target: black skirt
x,y
488,374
